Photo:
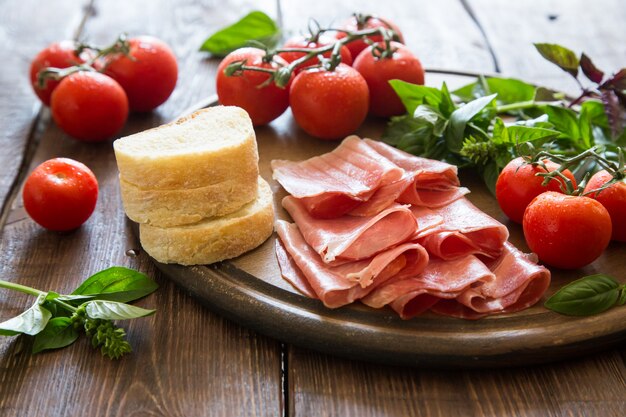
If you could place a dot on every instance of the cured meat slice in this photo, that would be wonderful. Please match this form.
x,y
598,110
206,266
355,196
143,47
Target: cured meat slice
x,y
465,230
519,283
339,179
434,183
439,280
353,238
342,284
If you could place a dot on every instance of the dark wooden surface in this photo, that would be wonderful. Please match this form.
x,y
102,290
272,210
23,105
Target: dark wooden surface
x,y
191,362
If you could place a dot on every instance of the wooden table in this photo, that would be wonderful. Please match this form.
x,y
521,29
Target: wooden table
x,y
191,362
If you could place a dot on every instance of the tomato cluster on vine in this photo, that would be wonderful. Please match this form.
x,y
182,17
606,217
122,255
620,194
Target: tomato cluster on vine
x,y
332,79
91,90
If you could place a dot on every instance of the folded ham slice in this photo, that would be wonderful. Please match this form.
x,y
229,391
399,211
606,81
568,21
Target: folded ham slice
x,y
465,230
519,283
342,284
353,238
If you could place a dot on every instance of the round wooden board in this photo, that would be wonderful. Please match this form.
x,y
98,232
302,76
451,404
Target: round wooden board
x,y
250,291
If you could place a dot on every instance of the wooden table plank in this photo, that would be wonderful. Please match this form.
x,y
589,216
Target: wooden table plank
x,y
426,26
512,27
187,361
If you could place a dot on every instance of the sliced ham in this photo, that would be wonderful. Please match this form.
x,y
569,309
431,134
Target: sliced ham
x,y
342,284
353,238
333,183
439,280
519,283
465,230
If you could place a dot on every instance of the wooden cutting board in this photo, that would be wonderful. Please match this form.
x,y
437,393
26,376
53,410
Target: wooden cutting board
x,y
250,290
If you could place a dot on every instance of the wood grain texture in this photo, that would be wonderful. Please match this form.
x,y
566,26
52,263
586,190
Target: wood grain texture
x,y
187,361
430,28
512,27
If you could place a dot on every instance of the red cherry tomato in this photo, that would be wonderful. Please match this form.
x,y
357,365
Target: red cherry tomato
x,y
149,77
353,24
566,231
518,184
613,199
263,103
57,55
329,104
377,71
60,194
301,42
89,106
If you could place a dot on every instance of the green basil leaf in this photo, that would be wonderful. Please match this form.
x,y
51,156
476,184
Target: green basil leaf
x,y
490,175
255,26
447,104
564,120
509,90
112,310
116,284
585,127
412,95
560,56
520,134
595,111
586,296
58,333
31,321
459,118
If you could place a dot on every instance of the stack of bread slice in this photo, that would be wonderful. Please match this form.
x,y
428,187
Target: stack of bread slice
x,y
194,187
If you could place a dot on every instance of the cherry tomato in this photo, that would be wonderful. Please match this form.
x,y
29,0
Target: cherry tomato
x,y
58,55
329,104
566,231
263,103
60,194
377,71
149,77
518,184
613,199
353,24
89,106
301,42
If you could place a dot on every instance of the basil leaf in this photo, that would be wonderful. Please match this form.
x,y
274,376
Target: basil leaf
x,y
509,90
58,333
564,120
459,119
111,310
586,296
116,284
590,70
31,321
255,26
412,95
490,175
560,56
595,111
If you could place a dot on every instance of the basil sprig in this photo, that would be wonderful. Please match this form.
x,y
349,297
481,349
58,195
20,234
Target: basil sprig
x,y
255,26
55,319
587,296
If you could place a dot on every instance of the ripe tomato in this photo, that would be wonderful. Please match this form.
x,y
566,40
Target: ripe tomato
x,y
149,77
301,42
60,194
263,103
329,104
613,199
377,71
566,231
353,24
89,106
518,185
58,55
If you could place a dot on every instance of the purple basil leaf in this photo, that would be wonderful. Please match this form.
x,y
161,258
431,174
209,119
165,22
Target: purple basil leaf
x,y
560,56
619,80
613,111
590,70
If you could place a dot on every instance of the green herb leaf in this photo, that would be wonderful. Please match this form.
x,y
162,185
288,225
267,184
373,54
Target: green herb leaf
x,y
116,284
586,296
412,95
111,310
564,120
490,175
560,56
459,119
255,26
58,333
509,90
31,321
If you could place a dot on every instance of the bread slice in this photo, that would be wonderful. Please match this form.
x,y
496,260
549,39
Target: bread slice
x,y
214,239
167,208
208,147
